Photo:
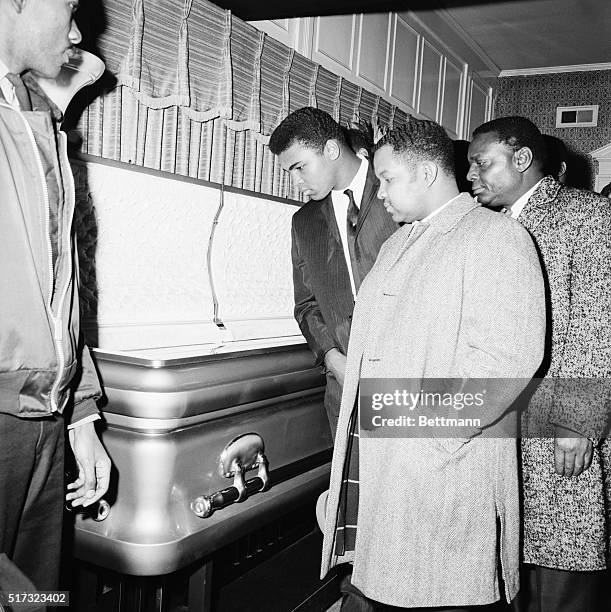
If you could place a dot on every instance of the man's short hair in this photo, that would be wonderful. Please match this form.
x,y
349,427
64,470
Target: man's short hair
x,y
556,154
516,132
308,126
421,140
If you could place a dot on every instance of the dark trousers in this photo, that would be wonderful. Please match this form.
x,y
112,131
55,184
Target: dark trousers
x,y
31,496
354,601
550,590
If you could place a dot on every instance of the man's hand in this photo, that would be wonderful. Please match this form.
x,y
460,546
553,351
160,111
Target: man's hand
x,y
336,364
93,466
572,452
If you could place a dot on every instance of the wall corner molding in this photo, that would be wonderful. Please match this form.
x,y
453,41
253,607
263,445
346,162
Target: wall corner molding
x,y
555,69
602,153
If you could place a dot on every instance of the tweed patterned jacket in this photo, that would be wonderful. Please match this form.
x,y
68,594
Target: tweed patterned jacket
x,y
458,296
566,520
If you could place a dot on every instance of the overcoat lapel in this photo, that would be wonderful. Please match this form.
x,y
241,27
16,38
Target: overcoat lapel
x,y
445,221
406,236
538,205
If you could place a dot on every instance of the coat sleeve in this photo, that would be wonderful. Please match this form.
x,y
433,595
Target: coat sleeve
x,y
581,397
86,388
307,311
502,336
85,385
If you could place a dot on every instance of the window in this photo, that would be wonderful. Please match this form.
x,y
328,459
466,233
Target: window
x,y
577,116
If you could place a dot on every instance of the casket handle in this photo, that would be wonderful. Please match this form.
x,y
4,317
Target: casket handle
x,y
242,454
98,511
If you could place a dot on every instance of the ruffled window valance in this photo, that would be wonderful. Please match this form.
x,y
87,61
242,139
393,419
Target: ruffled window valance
x,y
199,91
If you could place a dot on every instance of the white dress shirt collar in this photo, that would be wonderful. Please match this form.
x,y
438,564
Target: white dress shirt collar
x,y
3,69
436,211
518,206
340,208
357,185
8,91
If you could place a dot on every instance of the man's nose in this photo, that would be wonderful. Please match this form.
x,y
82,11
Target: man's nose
x,y
472,174
75,36
381,193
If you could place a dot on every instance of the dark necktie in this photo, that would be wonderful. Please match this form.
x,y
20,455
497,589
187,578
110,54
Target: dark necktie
x,y
21,92
352,218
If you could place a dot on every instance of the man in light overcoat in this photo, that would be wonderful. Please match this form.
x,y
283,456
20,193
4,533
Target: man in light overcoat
x,y
456,293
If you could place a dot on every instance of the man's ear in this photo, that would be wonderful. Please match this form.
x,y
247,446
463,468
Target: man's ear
x,y
331,150
522,159
429,171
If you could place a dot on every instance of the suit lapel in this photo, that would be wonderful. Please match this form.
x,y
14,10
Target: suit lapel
x,y
328,214
538,206
369,197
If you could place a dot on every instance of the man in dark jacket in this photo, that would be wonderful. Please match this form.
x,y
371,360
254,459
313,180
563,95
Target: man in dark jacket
x,y
47,379
336,235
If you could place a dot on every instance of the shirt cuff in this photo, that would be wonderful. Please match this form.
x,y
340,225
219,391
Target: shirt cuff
x,y
87,419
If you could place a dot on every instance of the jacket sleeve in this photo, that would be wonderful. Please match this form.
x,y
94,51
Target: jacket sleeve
x,y
581,397
307,311
86,387
502,336
504,307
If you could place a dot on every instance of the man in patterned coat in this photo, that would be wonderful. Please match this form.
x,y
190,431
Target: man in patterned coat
x,y
566,466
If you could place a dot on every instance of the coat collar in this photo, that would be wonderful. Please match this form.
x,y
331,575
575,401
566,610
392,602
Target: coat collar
x,y
442,223
451,215
40,100
538,204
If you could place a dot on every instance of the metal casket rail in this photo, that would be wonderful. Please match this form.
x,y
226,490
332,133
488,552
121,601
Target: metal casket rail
x,y
169,424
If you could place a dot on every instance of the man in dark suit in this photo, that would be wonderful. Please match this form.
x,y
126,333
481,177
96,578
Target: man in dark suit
x,y
566,460
336,235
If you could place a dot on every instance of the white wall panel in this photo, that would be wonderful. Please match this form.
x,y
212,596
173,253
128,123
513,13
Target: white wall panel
x,y
429,81
450,113
280,29
477,111
334,41
373,49
404,69
396,56
295,33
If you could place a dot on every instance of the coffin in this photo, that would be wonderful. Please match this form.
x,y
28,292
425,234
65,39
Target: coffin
x,y
168,420
186,294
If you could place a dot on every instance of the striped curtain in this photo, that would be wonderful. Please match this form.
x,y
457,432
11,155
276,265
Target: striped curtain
x,y
197,92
